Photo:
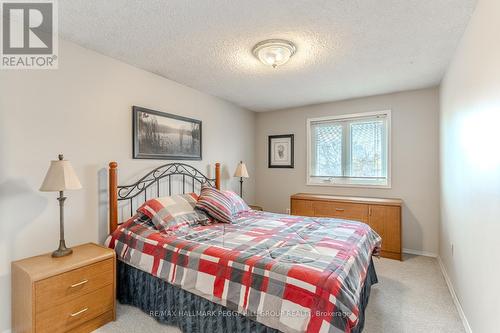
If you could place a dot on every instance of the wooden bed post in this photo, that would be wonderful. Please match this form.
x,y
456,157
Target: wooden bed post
x,y
217,176
113,197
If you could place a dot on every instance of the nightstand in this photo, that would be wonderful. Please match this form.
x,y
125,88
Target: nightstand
x,y
254,207
73,293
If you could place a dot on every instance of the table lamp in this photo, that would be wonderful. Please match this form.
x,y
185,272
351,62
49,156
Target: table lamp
x,y
60,177
241,171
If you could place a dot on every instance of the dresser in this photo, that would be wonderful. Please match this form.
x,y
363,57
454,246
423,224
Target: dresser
x,y
75,293
382,215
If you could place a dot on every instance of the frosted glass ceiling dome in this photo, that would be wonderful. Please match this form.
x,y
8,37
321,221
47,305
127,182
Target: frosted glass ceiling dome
x,y
274,52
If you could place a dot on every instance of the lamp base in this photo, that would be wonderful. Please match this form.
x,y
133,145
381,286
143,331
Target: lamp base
x,y
62,250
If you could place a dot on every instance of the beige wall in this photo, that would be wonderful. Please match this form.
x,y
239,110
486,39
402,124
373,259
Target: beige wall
x,y
415,170
470,168
84,110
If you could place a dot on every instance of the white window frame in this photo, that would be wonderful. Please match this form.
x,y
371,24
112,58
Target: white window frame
x,y
349,182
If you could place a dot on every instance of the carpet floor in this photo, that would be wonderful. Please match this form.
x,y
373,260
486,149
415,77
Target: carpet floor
x,y
411,297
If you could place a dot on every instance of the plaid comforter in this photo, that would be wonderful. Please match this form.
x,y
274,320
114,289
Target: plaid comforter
x,y
291,273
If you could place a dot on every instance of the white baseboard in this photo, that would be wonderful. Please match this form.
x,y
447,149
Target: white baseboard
x,y
461,312
420,253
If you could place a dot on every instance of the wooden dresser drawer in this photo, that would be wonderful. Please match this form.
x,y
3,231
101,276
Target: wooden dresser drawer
x,y
386,222
302,207
69,315
343,210
381,214
67,286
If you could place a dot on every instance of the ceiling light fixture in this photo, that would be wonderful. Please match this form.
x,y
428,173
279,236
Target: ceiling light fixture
x,y
274,52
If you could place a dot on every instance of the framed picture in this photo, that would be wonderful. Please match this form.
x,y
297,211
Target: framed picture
x,y
165,136
280,151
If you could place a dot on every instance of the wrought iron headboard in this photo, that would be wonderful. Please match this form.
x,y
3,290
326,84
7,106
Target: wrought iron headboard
x,y
153,177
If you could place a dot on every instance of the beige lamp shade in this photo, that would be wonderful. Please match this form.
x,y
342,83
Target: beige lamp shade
x,y
241,171
60,177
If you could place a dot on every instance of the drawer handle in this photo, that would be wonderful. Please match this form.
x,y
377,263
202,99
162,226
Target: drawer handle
x,y
339,209
79,312
79,284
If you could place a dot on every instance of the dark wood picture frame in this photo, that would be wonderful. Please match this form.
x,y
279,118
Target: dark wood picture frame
x,y
136,151
270,139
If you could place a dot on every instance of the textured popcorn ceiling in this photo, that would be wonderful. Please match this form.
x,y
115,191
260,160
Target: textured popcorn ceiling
x,y
345,48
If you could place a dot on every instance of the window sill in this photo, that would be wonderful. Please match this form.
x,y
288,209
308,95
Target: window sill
x,y
388,186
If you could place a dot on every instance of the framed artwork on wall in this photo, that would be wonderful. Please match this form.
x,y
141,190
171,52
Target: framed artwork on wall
x,y
280,152
165,136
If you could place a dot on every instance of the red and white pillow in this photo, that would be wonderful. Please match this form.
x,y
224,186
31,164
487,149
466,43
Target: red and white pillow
x,y
216,204
174,213
220,205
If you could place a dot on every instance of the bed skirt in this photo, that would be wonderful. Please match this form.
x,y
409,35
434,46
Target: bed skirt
x,y
191,313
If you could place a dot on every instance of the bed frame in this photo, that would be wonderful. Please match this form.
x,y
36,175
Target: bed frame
x,y
152,178
131,281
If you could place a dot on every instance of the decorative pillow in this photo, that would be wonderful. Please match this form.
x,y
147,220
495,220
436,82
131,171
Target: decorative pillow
x,y
216,204
173,213
238,204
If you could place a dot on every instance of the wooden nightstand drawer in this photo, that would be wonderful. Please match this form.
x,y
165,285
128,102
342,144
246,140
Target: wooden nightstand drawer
x,y
72,314
67,286
74,293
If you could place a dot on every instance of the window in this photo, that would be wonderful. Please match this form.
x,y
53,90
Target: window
x,y
349,150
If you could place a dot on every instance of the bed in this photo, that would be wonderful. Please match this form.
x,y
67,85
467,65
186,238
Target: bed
x,y
264,272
